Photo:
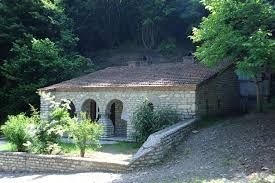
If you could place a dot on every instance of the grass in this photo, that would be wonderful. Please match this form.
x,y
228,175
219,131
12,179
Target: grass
x,y
118,148
8,147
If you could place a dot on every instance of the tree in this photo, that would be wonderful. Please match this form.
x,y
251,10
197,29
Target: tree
x,y
85,133
240,31
37,48
33,66
108,24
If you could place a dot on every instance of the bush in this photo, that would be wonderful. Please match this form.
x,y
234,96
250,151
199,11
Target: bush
x,y
15,130
85,133
146,120
45,135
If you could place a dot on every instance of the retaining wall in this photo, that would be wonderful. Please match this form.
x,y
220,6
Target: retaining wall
x,y
160,143
24,162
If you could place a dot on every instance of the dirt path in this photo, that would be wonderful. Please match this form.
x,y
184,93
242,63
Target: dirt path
x,y
237,150
232,151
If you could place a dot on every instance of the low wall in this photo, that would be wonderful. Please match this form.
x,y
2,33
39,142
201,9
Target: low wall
x,y
23,162
151,152
160,143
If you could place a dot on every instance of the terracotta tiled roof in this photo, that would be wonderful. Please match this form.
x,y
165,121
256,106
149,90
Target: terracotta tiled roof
x,y
166,74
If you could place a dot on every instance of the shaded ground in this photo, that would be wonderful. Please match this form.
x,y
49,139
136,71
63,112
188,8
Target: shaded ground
x,y
231,150
236,150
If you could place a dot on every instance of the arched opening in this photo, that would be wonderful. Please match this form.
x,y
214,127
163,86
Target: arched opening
x,y
71,107
91,109
114,109
72,110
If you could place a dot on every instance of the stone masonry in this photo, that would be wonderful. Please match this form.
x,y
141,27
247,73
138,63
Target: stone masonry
x,y
23,162
159,144
182,101
190,88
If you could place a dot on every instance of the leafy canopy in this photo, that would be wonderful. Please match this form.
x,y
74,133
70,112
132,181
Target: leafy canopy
x,y
33,66
237,30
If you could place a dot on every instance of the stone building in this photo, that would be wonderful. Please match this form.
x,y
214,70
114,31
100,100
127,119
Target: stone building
x,y
110,96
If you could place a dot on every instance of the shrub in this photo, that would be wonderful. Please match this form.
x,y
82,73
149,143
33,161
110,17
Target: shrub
x,y
85,133
147,120
15,130
45,135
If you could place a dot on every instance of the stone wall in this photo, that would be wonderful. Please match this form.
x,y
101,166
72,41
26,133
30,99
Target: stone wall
x,y
23,162
181,99
160,143
152,151
219,95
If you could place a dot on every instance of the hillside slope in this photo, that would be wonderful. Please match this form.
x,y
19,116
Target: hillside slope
x,y
234,150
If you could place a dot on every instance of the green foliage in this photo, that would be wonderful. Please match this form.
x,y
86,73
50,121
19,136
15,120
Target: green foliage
x,y
15,130
102,24
37,48
239,31
85,133
34,66
147,120
45,135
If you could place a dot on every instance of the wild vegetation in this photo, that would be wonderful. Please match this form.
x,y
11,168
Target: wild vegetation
x,y
32,134
148,120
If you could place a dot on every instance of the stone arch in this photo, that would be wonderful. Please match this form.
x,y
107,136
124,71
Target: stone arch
x,y
115,110
91,108
71,109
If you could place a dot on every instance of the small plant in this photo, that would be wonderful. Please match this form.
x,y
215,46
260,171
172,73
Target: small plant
x,y
146,120
15,130
85,133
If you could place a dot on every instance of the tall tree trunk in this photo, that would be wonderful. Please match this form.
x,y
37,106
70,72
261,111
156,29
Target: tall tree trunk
x,y
259,97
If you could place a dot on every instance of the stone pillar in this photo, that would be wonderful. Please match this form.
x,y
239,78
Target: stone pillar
x,y
130,127
108,125
44,109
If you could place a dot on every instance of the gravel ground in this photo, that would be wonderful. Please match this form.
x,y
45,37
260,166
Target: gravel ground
x,y
236,150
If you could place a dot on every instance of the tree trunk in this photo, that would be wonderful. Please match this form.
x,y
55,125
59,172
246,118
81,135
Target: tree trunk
x,y
259,97
82,153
